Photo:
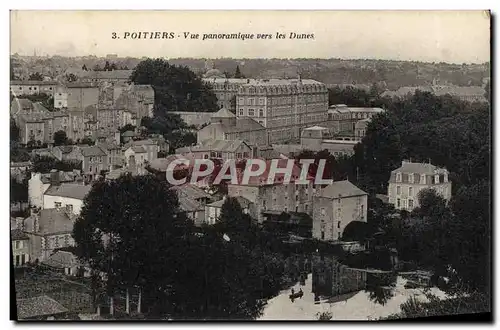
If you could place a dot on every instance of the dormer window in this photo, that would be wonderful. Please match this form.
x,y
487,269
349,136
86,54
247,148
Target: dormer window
x,y
445,178
411,178
422,178
398,177
436,178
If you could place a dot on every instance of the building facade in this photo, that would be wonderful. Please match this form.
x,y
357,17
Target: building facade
x,y
407,181
335,206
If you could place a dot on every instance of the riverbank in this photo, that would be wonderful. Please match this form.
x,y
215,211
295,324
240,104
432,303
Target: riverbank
x,y
353,306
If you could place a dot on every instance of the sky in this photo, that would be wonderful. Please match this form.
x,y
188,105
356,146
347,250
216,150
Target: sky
x,y
428,36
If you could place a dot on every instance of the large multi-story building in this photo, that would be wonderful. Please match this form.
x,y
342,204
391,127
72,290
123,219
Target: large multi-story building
x,y
31,87
335,206
271,199
408,180
345,121
218,149
283,106
224,125
81,95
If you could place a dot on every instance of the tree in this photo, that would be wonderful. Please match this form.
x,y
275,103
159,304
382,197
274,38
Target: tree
x,y
14,130
84,68
60,138
107,66
237,72
232,104
71,77
177,88
128,127
36,76
96,67
113,67
87,140
128,228
132,230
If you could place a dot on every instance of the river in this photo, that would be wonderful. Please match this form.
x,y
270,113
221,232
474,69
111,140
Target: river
x,y
345,293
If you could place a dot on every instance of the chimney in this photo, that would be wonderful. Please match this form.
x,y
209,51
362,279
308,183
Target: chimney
x,y
55,179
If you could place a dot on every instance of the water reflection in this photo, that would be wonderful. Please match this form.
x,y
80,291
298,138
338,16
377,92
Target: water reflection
x,y
381,287
333,281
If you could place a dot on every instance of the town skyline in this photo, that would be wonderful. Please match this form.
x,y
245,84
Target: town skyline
x,y
423,36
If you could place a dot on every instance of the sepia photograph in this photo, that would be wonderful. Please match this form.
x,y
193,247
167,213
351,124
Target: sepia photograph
x,y
176,165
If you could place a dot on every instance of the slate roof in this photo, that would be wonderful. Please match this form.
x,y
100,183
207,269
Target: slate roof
x,y
128,134
420,168
161,164
38,306
187,204
138,149
315,128
191,191
51,221
18,235
70,190
244,203
214,145
223,113
244,124
92,151
63,177
61,259
341,189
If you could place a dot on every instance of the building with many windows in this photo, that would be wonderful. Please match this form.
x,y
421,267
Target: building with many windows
x,y
408,180
335,206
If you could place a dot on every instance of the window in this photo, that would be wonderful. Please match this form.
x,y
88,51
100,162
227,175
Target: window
x,y
410,191
23,259
286,209
69,208
323,211
219,155
264,204
338,224
411,178
436,178
261,101
422,178
57,204
242,112
297,198
56,241
398,203
18,245
90,168
323,235
212,154
251,112
306,207
398,190
296,209
245,154
398,177
238,155
261,113
17,260
410,204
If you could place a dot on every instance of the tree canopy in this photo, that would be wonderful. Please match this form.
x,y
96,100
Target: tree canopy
x,y
60,138
132,229
36,76
177,88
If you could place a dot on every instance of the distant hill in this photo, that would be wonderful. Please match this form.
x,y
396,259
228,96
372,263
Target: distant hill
x,y
391,74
